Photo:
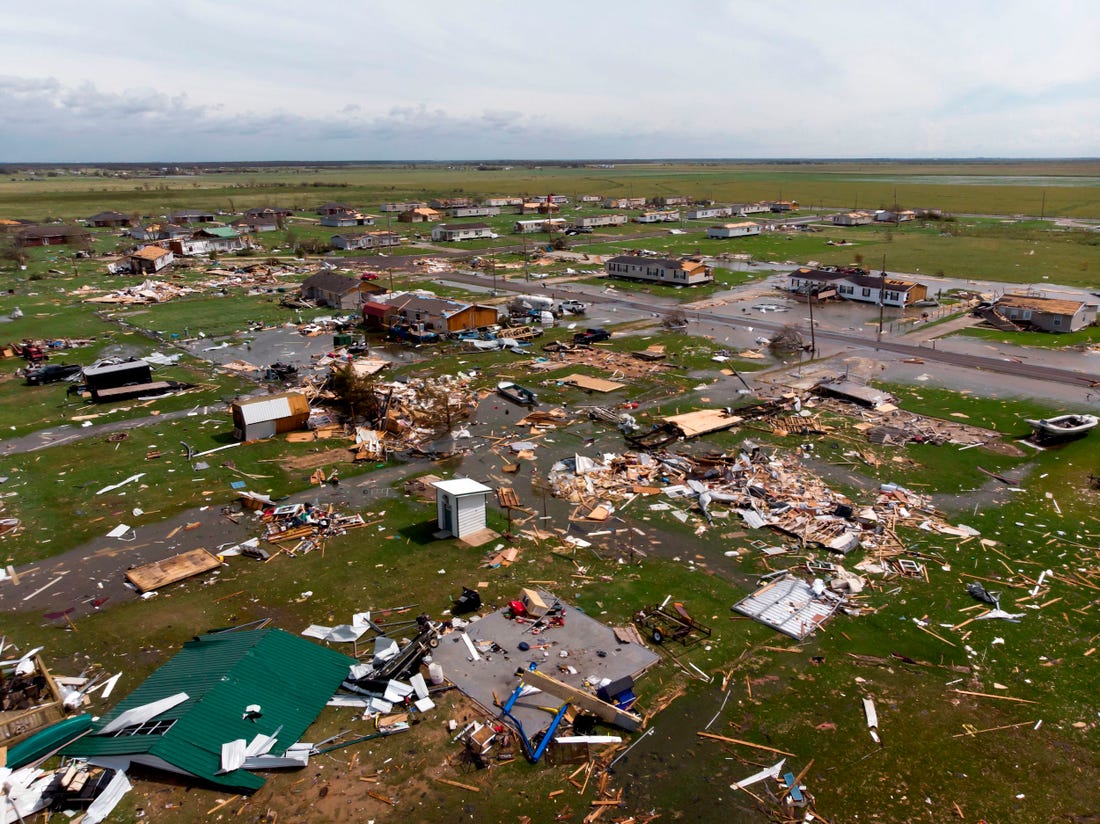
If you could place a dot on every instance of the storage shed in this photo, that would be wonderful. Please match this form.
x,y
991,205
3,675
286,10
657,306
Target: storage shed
x,y
269,415
100,379
460,506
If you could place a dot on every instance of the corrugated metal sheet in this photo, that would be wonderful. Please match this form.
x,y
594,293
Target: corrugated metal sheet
x,y
265,410
290,678
787,605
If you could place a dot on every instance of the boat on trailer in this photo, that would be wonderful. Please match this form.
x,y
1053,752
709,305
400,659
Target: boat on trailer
x,y
1063,427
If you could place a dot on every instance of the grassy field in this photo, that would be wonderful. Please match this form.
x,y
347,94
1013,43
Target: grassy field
x,y
1071,189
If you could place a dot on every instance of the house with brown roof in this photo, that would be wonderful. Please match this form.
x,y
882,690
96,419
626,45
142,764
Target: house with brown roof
x,y
149,260
328,288
257,223
160,231
857,285
669,271
402,207
852,219
51,235
1047,314
440,315
109,220
334,208
421,214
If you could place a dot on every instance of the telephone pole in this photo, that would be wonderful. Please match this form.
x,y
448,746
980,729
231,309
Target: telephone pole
x,y
881,301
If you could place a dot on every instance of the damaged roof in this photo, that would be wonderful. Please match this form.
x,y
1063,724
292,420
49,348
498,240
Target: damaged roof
x,y
221,674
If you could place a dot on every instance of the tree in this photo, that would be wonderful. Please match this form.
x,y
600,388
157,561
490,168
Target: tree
x,y
357,396
442,406
11,250
674,319
786,341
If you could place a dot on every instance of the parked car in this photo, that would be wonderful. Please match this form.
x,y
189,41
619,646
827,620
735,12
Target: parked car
x,y
51,373
591,336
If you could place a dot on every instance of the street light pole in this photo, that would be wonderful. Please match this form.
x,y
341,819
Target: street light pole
x,y
811,295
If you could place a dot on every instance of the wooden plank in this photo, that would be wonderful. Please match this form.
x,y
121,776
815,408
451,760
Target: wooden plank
x,y
729,740
149,577
585,700
458,784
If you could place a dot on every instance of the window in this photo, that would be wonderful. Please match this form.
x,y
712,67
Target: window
x,y
866,293
1056,322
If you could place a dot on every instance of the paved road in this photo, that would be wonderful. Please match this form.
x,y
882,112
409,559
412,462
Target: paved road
x,y
927,353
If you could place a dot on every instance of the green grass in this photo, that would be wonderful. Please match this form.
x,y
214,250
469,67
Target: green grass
x,y
1043,340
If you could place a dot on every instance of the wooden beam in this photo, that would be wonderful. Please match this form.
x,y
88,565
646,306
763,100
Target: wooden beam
x,y
744,743
585,700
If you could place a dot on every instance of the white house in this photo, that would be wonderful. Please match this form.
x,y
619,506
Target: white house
x,y
894,215
365,240
659,216
341,219
728,230
461,231
624,203
743,209
852,219
659,270
709,213
859,286
460,506
474,211
525,227
592,221
502,201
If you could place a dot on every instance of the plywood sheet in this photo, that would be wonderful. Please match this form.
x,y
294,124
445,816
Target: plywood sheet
x,y
703,421
161,573
595,384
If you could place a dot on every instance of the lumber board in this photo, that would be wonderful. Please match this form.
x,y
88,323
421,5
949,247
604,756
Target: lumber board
x,y
157,574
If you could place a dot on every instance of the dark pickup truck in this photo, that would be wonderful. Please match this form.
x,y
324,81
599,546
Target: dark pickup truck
x,y
591,336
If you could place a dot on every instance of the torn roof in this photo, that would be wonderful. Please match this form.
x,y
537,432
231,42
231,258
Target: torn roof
x,y
291,679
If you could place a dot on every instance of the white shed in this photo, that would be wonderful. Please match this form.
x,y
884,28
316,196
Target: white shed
x,y
460,506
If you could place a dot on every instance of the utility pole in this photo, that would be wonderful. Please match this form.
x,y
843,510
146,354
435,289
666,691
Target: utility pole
x,y
881,301
1043,208
811,295
526,273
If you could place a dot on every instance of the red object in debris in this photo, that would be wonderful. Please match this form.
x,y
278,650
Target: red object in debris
x,y
518,609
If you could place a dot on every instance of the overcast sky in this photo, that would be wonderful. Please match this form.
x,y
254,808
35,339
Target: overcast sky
x,y
275,80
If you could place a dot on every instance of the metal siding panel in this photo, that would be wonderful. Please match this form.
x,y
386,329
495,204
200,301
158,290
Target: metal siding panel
x,y
265,410
471,515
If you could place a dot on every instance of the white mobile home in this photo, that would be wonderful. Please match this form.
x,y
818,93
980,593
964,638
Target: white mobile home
x,y
728,230
593,221
709,213
461,231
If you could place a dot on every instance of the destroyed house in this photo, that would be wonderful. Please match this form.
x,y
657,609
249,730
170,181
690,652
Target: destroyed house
x,y
1047,314
109,382
659,216
524,227
421,214
219,689
150,259
109,220
269,415
212,239
659,270
159,231
858,286
443,316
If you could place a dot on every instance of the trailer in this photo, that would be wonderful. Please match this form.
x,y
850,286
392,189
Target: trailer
x,y
673,624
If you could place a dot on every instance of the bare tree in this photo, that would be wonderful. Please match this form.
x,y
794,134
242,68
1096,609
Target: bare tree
x,y
674,319
358,396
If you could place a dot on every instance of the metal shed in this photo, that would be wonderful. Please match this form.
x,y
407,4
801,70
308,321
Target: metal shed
x,y
460,506
269,416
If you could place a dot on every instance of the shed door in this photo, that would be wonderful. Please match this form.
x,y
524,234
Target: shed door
x,y
471,515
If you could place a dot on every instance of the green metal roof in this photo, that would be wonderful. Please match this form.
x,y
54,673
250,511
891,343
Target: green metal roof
x,y
221,231
289,677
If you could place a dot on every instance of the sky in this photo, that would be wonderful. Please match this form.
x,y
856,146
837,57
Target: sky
x,y
210,80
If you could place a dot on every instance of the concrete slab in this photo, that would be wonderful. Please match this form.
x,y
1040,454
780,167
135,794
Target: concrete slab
x,y
582,637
